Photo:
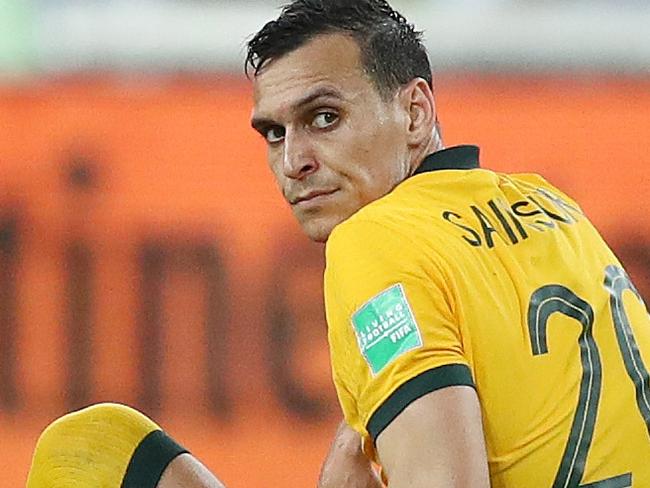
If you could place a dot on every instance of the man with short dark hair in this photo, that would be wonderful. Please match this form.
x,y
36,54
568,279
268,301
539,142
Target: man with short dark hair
x,y
479,328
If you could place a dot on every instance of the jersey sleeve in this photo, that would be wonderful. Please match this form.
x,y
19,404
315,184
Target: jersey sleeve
x,y
392,329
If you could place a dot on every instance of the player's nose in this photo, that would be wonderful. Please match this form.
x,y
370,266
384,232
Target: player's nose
x,y
298,159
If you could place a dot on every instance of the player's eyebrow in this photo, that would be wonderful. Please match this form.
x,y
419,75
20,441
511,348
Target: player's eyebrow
x,y
261,123
322,92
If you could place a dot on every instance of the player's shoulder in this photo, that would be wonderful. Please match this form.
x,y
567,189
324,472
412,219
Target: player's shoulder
x,y
362,235
533,183
384,221
392,233
406,217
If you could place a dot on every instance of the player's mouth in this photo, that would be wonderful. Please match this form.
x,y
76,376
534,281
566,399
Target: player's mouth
x,y
314,197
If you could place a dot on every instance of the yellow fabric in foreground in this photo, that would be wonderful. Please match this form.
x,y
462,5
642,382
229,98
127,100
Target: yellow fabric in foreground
x,y
88,448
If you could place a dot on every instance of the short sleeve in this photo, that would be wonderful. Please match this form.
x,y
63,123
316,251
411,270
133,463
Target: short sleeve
x,y
391,326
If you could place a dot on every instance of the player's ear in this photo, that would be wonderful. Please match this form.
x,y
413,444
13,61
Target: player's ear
x,y
417,100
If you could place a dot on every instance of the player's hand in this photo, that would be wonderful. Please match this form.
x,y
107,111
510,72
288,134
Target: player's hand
x,y
346,466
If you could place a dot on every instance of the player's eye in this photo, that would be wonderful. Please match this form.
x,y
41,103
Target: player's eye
x,y
275,134
324,120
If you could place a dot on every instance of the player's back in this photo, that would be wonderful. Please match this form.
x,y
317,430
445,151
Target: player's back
x,y
555,334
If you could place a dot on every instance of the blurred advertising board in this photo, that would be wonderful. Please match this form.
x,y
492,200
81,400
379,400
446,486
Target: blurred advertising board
x,y
146,256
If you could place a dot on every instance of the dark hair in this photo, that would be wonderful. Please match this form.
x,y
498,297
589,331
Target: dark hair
x,y
391,49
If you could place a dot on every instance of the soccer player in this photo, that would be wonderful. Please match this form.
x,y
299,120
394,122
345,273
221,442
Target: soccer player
x,y
112,446
481,331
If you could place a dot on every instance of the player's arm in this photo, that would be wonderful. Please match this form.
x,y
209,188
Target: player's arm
x,y
436,441
346,464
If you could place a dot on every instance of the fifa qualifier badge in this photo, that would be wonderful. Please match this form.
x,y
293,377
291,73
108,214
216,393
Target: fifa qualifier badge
x,y
385,328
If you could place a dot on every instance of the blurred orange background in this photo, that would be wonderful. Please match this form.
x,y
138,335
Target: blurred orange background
x,y
146,256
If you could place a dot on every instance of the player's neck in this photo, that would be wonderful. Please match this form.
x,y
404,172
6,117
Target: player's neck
x,y
435,144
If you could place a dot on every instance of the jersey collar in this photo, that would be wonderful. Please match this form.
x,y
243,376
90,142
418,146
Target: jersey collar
x,y
457,157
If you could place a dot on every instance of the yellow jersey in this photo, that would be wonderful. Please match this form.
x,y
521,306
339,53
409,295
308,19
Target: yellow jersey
x,y
464,276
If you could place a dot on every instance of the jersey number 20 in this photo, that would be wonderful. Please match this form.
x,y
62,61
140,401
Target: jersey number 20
x,y
552,299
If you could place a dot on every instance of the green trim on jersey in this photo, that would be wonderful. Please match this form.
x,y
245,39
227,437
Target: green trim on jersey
x,y
150,459
457,157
